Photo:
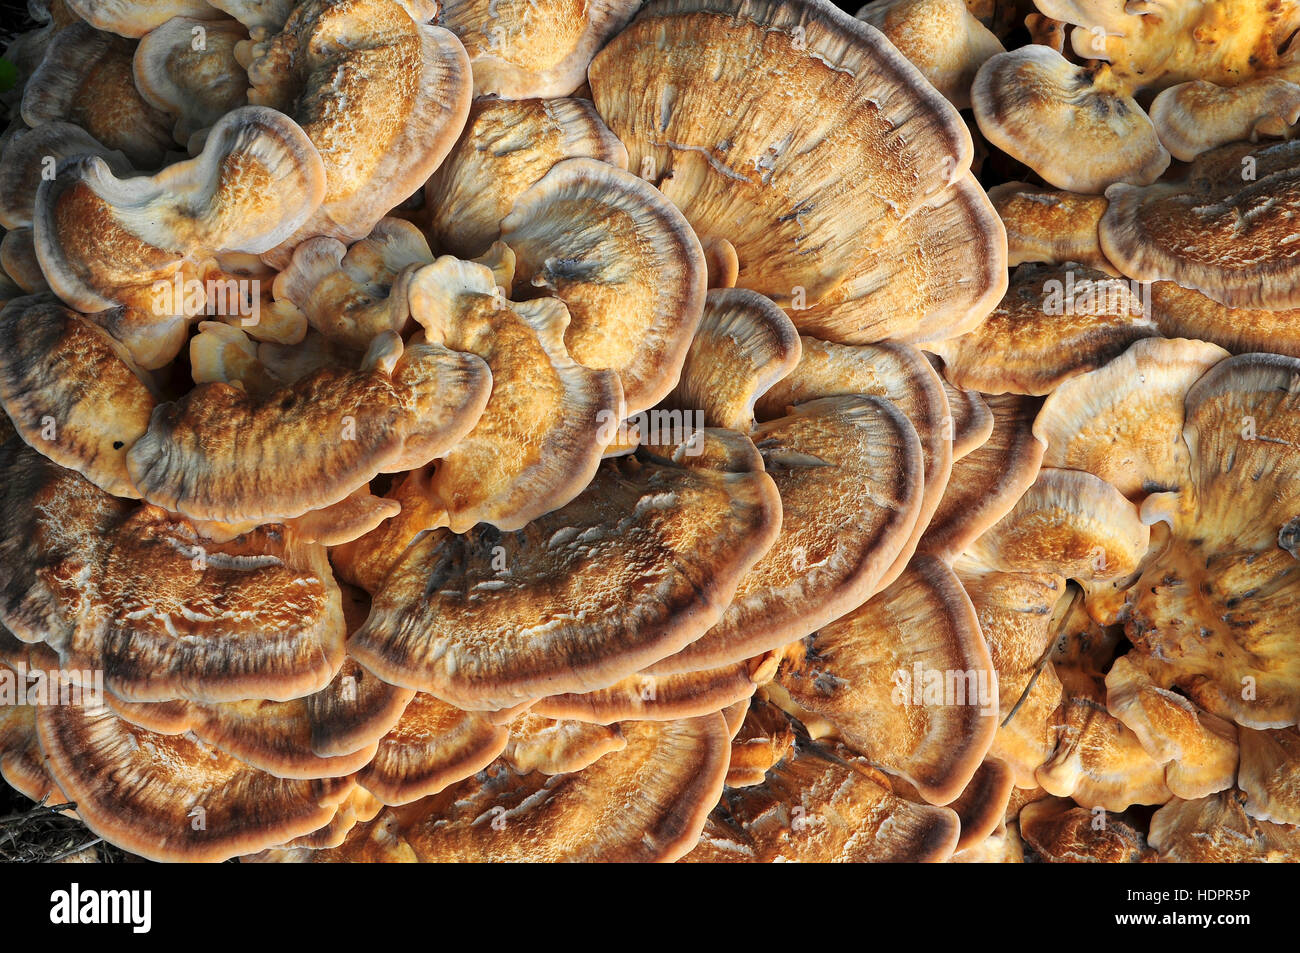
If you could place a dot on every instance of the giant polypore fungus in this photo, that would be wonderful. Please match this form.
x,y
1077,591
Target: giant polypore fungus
x,y
529,430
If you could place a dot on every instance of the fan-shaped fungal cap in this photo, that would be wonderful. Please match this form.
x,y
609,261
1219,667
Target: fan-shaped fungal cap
x,y
1199,751
906,680
1183,313
744,345
1124,422
86,79
1216,829
988,481
1214,613
1192,118
383,108
71,392
896,372
816,805
360,806
849,474
134,18
558,747
32,155
807,206
540,438
219,454
1224,230
167,614
1270,774
645,802
105,241
1099,761
432,746
274,737
941,38
356,709
1065,834
53,523
643,696
1075,126
171,798
270,14
625,263
507,145
525,48
1050,226
1054,323
1068,522
639,565
187,69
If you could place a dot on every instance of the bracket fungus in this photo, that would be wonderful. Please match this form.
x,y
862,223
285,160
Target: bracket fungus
x,y
1050,114
1225,230
104,241
382,95
704,430
834,219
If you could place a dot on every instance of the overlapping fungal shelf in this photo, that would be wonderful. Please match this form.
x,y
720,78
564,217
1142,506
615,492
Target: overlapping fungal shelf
x,y
704,430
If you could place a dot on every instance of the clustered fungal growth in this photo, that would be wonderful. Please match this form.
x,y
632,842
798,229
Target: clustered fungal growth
x,y
707,430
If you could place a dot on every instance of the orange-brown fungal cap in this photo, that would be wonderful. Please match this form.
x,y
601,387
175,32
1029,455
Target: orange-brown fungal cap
x,y
941,38
86,79
166,614
900,374
1216,829
623,260
1075,126
104,241
657,697
1051,226
1123,422
543,744
1062,833
1199,751
1223,229
645,802
221,454
187,69
676,86
506,147
525,48
986,483
906,680
744,345
71,391
32,155
134,18
637,566
849,473
432,746
384,108
1213,614
818,806
171,798
1056,322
